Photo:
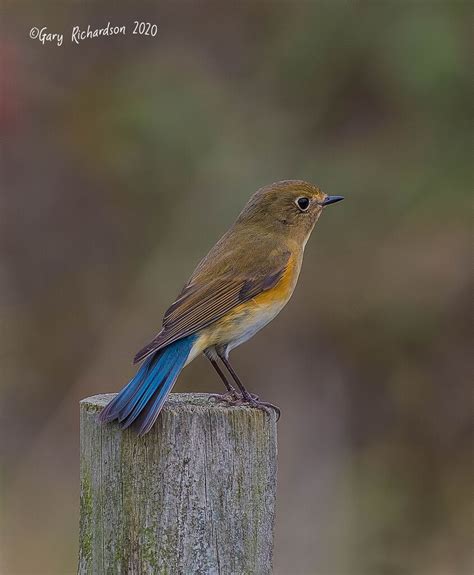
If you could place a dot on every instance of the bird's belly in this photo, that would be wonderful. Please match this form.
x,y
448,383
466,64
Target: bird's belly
x,y
248,327
240,325
246,319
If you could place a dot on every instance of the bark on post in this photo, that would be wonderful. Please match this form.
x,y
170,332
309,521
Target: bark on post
x,y
194,496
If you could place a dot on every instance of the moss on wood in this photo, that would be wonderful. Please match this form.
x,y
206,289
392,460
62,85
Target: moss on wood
x,y
195,495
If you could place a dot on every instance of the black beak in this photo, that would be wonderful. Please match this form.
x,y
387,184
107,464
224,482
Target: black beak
x,y
331,200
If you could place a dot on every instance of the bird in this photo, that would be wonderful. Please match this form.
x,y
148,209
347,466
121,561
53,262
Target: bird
x,y
238,288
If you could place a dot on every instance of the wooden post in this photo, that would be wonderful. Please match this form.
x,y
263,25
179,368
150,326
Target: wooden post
x,y
195,496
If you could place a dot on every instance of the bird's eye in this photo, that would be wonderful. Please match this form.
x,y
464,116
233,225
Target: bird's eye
x,y
302,203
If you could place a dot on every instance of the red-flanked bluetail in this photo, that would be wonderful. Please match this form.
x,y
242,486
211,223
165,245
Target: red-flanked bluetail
x,y
240,286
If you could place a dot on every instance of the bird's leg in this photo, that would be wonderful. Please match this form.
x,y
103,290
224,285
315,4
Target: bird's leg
x,y
232,394
247,397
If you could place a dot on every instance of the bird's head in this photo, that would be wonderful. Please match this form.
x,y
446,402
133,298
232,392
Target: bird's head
x,y
290,206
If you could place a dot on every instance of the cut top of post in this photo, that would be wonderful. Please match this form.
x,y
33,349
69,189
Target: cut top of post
x,y
192,402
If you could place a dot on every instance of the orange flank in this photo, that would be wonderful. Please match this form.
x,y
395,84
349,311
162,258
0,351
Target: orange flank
x,y
242,322
283,290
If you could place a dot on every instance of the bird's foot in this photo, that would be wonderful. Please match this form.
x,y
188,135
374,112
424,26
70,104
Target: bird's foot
x,y
235,398
254,401
231,397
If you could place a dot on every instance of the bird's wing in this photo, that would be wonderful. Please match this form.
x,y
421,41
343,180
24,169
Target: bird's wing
x,y
199,304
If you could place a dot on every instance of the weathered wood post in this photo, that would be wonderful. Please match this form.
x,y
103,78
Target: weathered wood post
x,y
195,496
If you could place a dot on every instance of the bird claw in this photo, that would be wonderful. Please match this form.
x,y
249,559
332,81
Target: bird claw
x,y
251,399
229,397
266,406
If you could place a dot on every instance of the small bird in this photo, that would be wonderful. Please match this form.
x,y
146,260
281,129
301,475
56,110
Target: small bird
x,y
240,286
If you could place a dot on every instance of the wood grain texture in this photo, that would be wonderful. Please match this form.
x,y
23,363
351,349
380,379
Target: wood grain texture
x,y
196,495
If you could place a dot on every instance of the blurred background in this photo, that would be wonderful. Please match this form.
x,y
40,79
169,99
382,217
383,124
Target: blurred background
x,y
125,158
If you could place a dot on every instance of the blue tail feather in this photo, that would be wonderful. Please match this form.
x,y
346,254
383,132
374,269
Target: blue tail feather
x,y
148,417
144,391
141,400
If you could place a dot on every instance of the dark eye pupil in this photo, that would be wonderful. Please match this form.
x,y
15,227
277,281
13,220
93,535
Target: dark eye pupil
x,y
303,203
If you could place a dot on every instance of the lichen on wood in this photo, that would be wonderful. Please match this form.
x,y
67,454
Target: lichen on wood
x,y
195,495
